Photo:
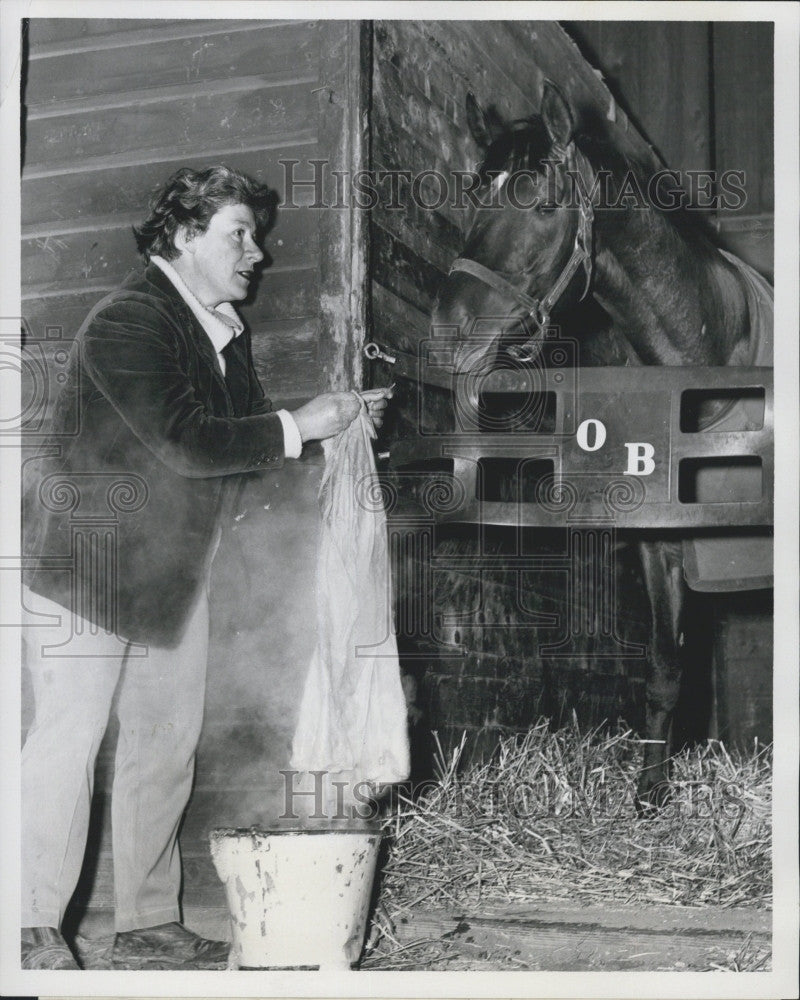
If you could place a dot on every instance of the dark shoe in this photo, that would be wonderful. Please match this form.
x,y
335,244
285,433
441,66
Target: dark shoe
x,y
44,948
166,946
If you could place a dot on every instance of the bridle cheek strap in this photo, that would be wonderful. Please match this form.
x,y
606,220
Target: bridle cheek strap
x,y
581,256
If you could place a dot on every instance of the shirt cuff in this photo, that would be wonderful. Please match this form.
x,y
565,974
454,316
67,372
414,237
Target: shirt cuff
x,y
292,442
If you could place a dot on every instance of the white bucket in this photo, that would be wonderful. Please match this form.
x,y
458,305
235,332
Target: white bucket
x,y
297,898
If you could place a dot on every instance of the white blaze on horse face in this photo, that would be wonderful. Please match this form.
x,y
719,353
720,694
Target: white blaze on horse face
x,y
499,181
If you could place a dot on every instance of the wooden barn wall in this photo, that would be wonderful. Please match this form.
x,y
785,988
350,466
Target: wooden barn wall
x,y
744,135
111,108
702,94
655,83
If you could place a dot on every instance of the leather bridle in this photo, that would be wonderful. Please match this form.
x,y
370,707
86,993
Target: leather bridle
x,y
581,256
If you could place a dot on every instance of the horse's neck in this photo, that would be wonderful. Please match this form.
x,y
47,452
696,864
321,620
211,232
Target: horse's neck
x,y
675,303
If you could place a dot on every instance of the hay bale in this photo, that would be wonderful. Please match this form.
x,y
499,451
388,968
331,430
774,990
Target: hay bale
x,y
551,816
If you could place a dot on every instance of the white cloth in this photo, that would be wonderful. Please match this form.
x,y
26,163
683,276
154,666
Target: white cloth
x,y
221,325
353,712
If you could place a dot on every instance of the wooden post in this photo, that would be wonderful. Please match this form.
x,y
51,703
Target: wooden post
x,y
344,136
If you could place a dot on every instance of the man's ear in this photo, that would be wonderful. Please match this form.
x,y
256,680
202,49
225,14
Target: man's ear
x,y
184,239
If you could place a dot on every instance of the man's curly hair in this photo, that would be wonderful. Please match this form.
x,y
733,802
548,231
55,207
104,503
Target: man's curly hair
x,y
190,198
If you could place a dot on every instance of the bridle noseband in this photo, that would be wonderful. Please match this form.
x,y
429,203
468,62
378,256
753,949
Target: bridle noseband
x,y
540,309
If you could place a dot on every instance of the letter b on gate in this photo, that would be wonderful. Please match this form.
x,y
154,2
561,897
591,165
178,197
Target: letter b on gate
x,y
640,458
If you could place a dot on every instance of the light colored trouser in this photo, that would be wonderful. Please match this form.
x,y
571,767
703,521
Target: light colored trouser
x,y
160,709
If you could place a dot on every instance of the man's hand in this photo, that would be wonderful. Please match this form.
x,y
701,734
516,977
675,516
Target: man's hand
x,y
377,401
328,414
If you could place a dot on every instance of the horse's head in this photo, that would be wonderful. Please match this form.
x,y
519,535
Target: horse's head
x,y
529,245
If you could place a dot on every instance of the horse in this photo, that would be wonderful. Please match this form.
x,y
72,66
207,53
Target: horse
x,y
668,294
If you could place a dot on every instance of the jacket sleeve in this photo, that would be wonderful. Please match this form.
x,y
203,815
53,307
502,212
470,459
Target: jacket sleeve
x,y
130,352
259,403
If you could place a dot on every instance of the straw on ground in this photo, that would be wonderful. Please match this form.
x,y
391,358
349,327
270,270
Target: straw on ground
x,y
551,816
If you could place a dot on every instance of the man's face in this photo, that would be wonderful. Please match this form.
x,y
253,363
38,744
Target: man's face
x,y
218,264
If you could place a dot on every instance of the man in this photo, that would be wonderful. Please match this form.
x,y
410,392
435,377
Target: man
x,y
169,410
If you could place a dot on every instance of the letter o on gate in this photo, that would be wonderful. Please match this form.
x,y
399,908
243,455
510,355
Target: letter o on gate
x,y
594,430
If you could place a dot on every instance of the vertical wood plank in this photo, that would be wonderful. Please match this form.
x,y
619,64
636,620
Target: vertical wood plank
x,y
344,136
703,94
743,107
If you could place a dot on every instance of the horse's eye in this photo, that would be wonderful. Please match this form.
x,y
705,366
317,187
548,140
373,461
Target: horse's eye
x,y
546,208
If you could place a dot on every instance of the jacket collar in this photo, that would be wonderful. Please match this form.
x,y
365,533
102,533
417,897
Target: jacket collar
x,y
164,288
153,275
221,324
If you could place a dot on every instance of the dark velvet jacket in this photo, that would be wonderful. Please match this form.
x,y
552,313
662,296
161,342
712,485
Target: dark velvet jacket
x,y
121,508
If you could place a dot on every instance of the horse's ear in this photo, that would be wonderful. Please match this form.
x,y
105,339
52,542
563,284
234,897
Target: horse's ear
x,y
484,126
557,116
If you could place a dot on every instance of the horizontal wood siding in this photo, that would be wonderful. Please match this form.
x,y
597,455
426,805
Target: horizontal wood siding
x,y
113,107
200,53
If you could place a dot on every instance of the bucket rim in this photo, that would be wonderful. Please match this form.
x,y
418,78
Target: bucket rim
x,y
220,833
